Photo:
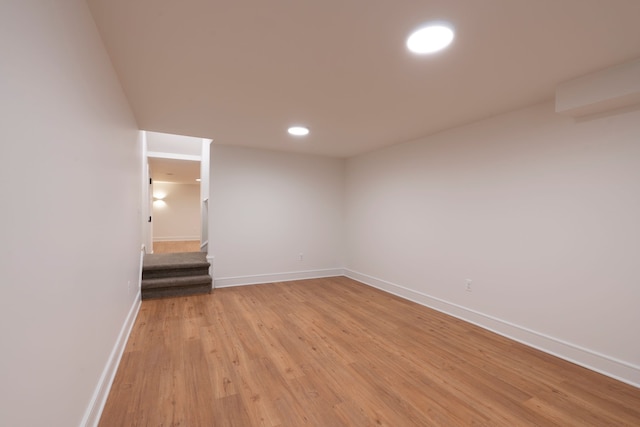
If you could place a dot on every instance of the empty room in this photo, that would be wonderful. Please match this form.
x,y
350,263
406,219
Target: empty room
x,y
401,213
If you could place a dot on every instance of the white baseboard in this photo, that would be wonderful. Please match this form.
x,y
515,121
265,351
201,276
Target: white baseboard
x,y
606,365
96,405
224,282
176,238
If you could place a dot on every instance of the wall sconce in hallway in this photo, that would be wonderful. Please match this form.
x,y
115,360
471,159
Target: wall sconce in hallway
x,y
158,200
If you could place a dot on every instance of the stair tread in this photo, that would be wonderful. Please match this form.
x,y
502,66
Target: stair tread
x,y
175,272
174,282
176,292
174,261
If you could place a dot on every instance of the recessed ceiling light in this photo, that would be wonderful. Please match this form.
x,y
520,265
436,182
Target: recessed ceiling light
x,y
430,38
298,130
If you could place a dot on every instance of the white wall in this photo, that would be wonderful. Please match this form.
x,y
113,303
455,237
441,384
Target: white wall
x,y
177,215
266,208
176,145
204,195
540,211
146,208
70,225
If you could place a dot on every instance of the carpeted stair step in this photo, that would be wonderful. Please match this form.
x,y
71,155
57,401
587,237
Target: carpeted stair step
x,y
175,286
175,274
185,281
159,273
175,265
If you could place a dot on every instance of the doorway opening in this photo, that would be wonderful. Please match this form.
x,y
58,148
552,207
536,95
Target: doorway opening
x,y
176,205
175,186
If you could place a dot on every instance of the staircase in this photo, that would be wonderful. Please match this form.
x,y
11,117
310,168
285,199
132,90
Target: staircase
x,y
178,274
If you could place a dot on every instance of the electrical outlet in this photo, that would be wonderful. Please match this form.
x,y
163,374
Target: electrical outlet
x,y
468,285
301,257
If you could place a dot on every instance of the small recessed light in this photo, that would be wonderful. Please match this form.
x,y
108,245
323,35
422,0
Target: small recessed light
x,y
430,38
198,179
298,130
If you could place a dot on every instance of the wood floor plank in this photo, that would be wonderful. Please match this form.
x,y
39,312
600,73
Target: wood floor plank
x,y
160,247
333,352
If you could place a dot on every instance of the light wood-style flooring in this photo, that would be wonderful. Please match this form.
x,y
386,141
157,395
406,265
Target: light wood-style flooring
x,y
162,247
334,352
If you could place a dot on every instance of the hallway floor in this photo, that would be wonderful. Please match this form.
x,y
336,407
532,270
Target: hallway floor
x,y
176,246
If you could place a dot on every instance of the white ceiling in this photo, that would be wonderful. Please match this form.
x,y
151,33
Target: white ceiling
x,y
241,71
173,170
